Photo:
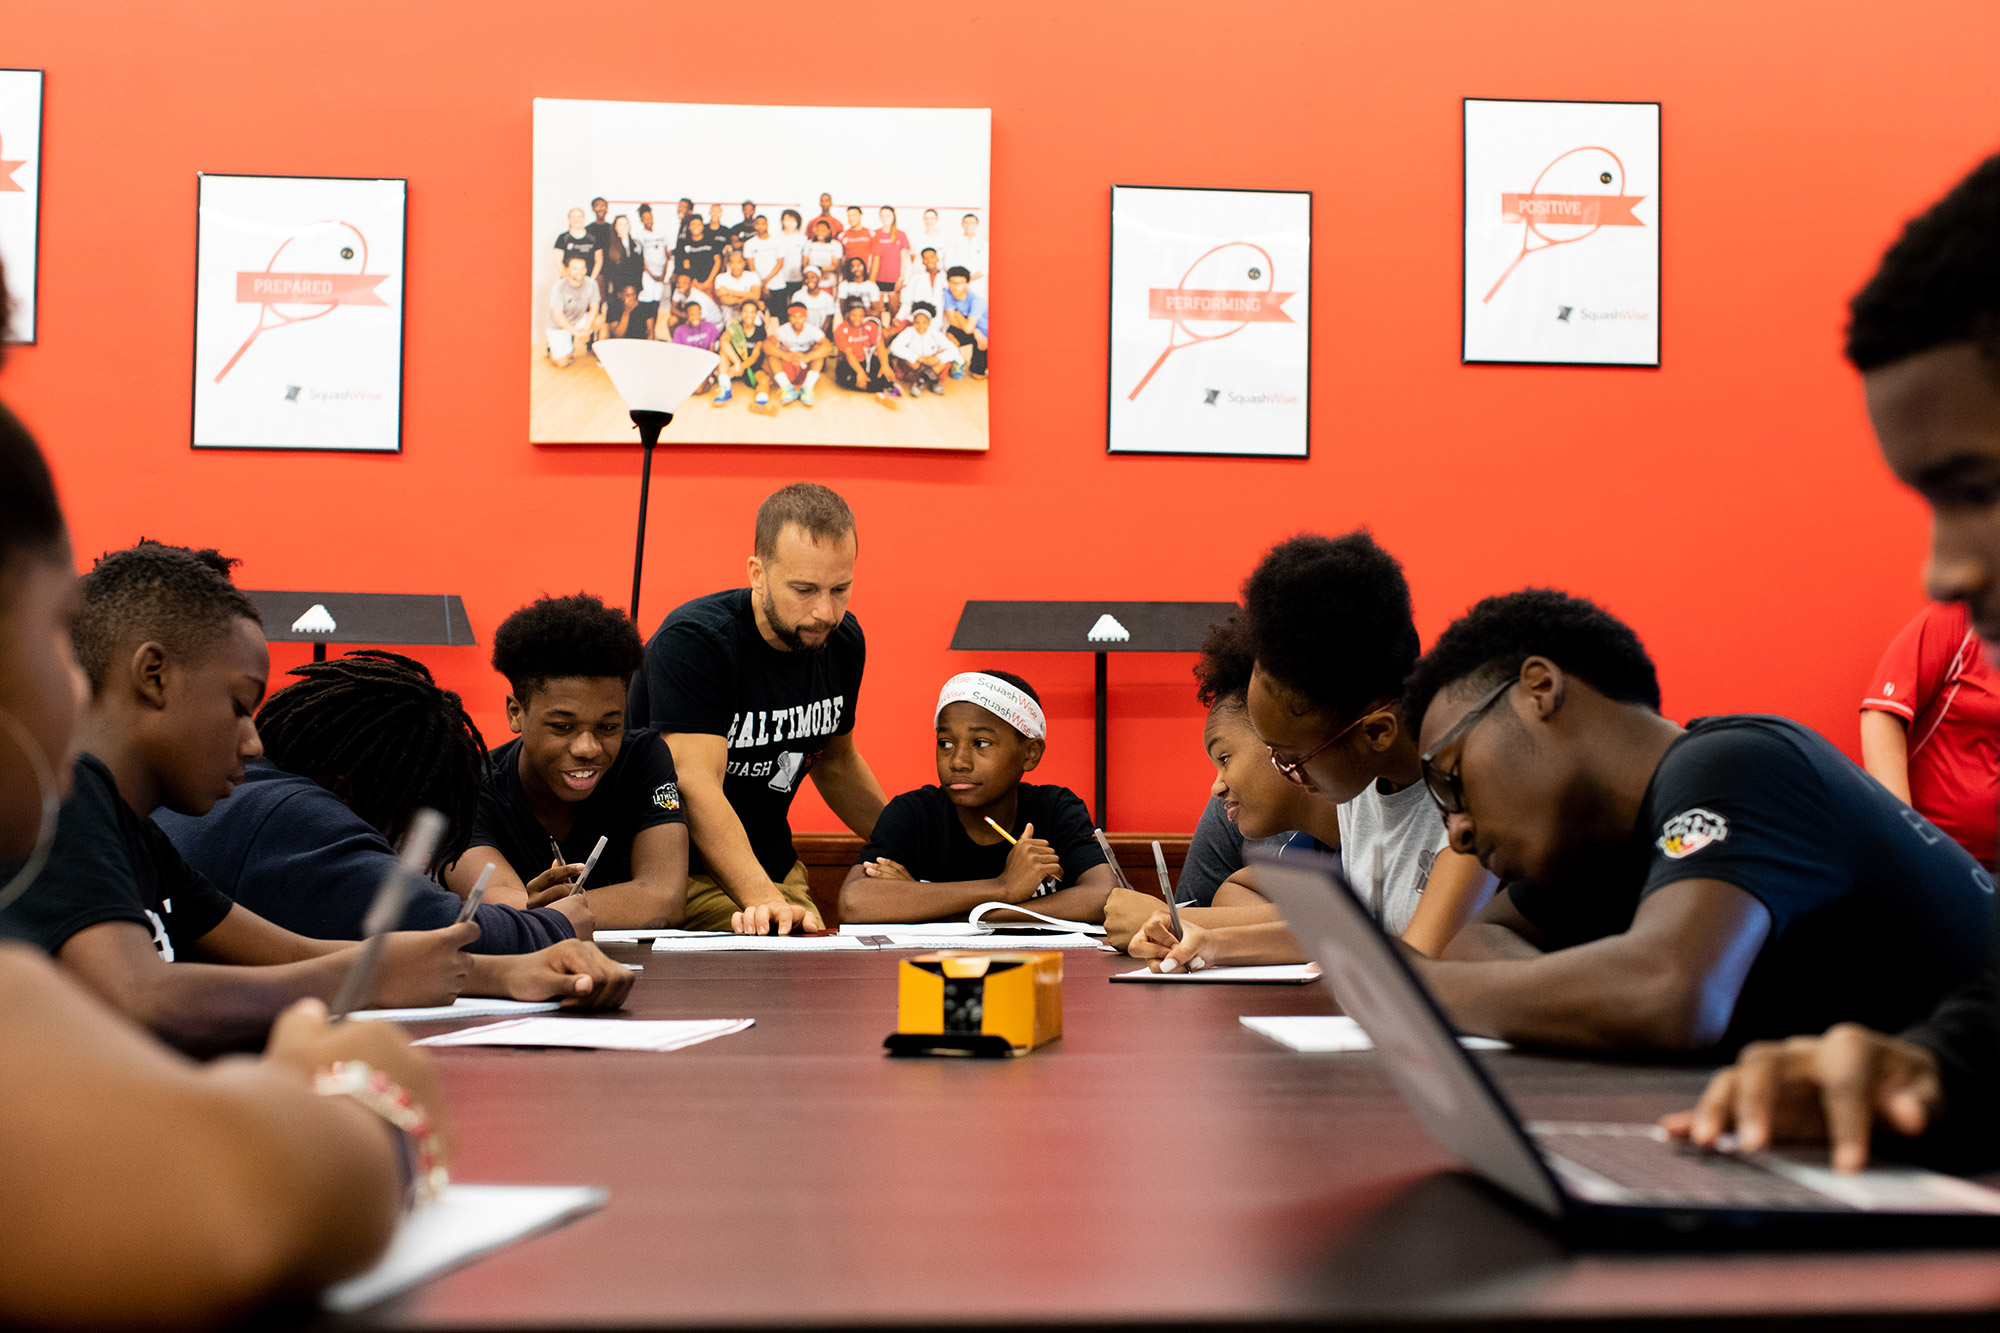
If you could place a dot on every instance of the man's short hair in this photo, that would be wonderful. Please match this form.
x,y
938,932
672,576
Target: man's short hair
x,y
1330,621
599,200
852,304
750,203
175,596
1939,283
930,212
796,305
1488,644
854,208
552,638
1222,675
970,217
958,271
924,307
927,250
820,513
645,208
761,218
685,200
573,259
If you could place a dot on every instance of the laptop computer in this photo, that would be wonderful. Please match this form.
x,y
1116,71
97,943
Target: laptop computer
x,y
1596,1180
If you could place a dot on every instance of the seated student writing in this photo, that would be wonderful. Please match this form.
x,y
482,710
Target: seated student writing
x,y
351,752
577,774
1329,620
1669,888
933,855
142,1187
176,660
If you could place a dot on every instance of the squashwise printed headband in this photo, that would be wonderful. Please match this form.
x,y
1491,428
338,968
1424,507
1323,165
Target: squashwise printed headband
x,y
997,697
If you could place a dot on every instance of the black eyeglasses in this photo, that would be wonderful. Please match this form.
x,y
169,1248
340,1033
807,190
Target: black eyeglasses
x,y
1295,769
1446,788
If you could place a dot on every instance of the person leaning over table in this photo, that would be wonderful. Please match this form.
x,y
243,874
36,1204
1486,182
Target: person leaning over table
x,y
755,688
143,1187
1922,332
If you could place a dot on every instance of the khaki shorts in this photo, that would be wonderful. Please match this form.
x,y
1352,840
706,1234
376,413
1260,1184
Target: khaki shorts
x,y
709,908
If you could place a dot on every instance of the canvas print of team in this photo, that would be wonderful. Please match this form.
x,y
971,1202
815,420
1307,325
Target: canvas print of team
x,y
785,296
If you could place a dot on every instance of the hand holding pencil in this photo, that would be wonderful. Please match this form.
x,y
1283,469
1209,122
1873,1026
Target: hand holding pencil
x,y
1032,865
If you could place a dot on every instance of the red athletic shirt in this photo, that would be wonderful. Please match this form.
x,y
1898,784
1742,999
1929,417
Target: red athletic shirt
x,y
848,338
1937,678
859,242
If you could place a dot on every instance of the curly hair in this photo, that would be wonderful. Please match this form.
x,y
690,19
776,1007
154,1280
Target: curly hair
x,y
377,731
558,637
1222,676
1489,643
1330,621
1939,283
176,596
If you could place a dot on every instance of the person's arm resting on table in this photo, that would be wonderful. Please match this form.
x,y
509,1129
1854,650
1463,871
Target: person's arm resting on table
x,y
1669,983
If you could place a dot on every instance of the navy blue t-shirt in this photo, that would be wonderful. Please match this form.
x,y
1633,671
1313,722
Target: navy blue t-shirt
x,y
294,853
1875,914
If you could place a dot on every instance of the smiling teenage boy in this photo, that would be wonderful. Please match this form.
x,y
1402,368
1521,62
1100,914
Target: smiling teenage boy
x,y
934,855
176,661
577,774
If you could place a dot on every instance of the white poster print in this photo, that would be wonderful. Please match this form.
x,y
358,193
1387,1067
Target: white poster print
x,y
20,195
1562,232
299,313
1210,321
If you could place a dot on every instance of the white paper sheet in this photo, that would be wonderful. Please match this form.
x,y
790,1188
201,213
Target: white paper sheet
x,y
463,1007
640,936
597,1034
921,938
1336,1032
1062,925
712,942
465,1222
912,928
1269,974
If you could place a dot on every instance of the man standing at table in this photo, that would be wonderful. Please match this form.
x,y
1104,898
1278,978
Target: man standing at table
x,y
753,689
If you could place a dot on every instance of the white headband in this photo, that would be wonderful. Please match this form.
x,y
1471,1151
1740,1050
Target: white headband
x,y
996,696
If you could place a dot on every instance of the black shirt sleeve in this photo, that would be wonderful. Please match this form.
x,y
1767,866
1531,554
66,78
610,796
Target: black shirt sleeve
x,y
89,877
195,905
1744,806
657,793
902,833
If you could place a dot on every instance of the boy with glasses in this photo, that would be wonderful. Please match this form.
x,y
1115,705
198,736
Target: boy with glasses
x,y
1669,888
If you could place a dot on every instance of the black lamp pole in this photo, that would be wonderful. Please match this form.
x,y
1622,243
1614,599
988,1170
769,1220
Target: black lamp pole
x,y
650,425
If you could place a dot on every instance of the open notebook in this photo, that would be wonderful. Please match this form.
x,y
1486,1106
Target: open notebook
x,y
460,1225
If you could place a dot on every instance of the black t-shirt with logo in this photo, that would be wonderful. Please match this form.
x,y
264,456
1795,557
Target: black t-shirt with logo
x,y
636,793
1875,913
922,832
741,232
577,247
709,672
110,863
697,258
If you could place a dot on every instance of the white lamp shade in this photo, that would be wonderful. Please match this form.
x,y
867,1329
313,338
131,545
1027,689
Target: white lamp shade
x,y
653,376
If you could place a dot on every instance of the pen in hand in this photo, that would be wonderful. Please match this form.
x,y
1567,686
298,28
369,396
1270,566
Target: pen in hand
x,y
478,892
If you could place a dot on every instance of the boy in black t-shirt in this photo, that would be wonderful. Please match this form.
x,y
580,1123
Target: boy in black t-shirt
x,y
934,856
176,660
1669,888
577,774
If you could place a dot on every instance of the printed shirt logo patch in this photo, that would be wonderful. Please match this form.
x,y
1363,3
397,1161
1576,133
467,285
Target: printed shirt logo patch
x,y
1690,831
667,796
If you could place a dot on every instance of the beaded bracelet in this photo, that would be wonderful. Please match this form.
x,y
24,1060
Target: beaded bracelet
x,y
374,1090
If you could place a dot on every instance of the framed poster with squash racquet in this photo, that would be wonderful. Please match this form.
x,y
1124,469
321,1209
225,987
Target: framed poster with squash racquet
x,y
298,316
1562,233
1211,328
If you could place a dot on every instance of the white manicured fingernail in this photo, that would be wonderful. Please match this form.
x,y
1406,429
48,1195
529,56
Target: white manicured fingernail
x,y
1197,964
1168,965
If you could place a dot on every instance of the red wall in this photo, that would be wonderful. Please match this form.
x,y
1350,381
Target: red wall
x,y
1729,504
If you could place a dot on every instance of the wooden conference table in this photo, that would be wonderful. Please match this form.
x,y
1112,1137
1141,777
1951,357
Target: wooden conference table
x,y
1161,1164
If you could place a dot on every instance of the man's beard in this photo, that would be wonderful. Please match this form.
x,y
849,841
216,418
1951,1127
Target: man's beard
x,y
789,634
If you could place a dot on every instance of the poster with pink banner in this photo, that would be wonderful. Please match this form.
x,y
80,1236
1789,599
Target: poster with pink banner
x,y
298,328
1211,334
1562,232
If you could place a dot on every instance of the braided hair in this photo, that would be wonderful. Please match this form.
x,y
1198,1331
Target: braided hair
x,y
377,731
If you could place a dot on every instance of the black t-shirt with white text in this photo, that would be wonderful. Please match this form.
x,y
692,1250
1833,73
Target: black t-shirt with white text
x,y
577,247
921,831
709,672
636,793
697,258
109,863
1875,914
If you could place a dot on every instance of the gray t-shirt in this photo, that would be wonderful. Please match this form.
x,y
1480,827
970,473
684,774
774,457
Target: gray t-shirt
x,y
1409,828
573,303
1214,854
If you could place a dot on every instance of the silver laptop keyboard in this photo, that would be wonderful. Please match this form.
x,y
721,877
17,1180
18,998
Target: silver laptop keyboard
x,y
1641,1167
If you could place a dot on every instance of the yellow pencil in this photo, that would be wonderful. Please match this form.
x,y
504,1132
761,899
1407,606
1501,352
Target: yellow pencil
x,y
1011,842
1049,885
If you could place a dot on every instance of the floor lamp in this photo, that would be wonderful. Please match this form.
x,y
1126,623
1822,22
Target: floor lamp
x,y
654,378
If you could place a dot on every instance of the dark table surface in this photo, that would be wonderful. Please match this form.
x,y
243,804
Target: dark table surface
x,y
1160,1164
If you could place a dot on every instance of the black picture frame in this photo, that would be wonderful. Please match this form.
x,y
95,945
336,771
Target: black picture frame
x,y
1111,326
1659,212
402,322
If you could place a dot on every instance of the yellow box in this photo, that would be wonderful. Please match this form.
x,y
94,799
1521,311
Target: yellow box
x,y
977,1003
